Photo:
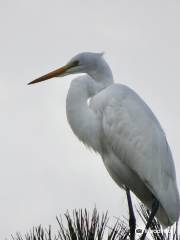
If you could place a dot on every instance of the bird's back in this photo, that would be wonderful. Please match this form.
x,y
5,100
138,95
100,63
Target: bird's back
x,y
133,135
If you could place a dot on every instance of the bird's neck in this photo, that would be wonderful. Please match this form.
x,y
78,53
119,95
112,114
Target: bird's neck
x,y
81,118
101,73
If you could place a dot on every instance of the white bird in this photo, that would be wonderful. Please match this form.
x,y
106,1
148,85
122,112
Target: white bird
x,y
118,124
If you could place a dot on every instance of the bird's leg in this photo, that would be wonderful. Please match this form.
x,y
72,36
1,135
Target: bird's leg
x,y
155,206
132,219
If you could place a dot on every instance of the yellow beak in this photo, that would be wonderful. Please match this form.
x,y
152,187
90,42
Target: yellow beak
x,y
56,73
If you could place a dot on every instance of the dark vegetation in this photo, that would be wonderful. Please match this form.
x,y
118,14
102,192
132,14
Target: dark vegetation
x,y
80,225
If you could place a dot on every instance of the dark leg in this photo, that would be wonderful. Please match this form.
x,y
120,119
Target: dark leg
x,y
132,219
155,206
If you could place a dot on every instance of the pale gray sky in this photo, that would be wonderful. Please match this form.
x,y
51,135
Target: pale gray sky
x,y
44,170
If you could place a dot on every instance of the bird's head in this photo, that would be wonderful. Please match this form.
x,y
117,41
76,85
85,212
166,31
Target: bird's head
x,y
81,63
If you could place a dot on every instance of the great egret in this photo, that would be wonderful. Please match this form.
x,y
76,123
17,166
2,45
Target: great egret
x,y
119,125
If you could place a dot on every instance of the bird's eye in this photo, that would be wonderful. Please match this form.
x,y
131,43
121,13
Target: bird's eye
x,y
76,63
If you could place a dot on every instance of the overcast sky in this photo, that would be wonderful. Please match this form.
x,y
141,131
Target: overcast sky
x,y
44,169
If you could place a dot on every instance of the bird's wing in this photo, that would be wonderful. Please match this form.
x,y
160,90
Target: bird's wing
x,y
133,133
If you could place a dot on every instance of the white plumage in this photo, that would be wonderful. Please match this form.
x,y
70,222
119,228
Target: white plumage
x,y
136,151
118,125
